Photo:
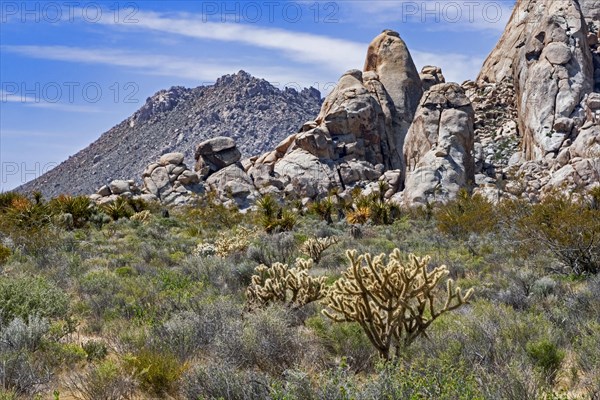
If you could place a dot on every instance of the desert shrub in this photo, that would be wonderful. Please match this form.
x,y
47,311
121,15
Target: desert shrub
x,y
493,338
20,367
98,289
104,381
8,394
566,227
430,379
222,381
265,340
587,348
156,371
546,356
544,286
187,332
5,253
395,302
466,215
95,350
269,249
25,296
346,340
60,355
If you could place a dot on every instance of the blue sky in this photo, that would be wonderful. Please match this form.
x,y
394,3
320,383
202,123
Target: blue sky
x,y
70,70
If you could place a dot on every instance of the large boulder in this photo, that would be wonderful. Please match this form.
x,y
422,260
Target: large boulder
x,y
233,184
439,145
215,154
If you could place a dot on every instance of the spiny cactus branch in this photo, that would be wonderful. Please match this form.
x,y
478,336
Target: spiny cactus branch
x,y
394,302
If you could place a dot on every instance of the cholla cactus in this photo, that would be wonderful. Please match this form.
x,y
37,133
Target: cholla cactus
x,y
293,287
205,250
142,216
314,247
232,242
395,302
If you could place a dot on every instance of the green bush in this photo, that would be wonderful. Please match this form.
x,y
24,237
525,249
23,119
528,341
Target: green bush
x,y
433,379
156,371
25,296
466,215
566,227
106,380
546,356
5,253
95,350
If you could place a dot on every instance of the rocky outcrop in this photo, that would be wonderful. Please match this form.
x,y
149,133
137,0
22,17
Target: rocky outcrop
x,y
108,194
170,180
358,134
388,56
215,154
545,53
439,146
431,75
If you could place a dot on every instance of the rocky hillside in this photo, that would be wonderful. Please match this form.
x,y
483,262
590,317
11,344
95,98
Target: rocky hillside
x,y
251,111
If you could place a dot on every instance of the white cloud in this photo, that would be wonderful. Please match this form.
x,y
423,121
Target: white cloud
x,y
197,70
456,67
306,48
326,56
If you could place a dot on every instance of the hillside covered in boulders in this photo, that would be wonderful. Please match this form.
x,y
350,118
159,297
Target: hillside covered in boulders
x,y
252,111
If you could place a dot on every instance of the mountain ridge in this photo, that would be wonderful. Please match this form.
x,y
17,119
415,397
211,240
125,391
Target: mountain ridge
x,y
248,109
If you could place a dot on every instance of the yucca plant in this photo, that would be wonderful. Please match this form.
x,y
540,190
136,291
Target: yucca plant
x,y
324,209
78,206
359,216
120,208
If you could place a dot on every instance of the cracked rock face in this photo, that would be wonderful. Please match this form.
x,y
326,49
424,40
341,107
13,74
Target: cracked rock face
x,y
439,146
545,53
